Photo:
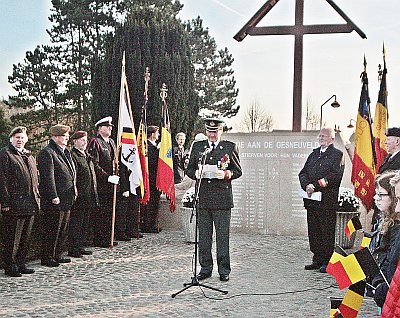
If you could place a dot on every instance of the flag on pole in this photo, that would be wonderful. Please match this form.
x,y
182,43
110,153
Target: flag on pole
x,y
366,240
126,136
353,268
363,170
352,300
165,171
142,143
335,303
381,116
353,225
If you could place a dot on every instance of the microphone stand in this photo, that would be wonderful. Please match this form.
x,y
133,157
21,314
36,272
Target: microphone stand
x,y
195,281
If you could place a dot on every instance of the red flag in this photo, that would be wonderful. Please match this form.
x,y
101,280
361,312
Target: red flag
x,y
165,171
363,170
381,117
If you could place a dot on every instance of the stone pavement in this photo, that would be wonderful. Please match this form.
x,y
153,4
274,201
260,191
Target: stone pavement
x,y
137,279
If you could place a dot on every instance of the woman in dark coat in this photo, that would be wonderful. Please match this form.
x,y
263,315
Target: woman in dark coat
x,y
19,199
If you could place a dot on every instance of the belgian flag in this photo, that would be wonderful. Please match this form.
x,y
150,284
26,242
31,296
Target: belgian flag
x,y
366,240
335,303
348,270
363,169
353,225
352,301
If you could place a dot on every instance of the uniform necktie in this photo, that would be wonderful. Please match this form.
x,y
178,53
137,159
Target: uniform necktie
x,y
213,146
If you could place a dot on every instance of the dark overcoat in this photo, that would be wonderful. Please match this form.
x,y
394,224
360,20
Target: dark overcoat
x,y
103,155
86,182
152,156
390,163
57,177
18,181
328,166
215,193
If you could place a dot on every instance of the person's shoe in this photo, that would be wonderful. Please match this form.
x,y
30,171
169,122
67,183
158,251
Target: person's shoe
x,y
85,252
49,262
12,271
76,254
202,276
25,270
322,269
312,266
63,260
223,278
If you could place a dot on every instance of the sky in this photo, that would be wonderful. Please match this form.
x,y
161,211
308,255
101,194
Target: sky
x,y
263,65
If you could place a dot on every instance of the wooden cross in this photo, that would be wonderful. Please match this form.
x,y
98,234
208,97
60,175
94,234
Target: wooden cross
x,y
298,30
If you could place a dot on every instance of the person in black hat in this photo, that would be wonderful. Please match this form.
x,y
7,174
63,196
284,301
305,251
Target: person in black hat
x,y
87,200
19,199
151,209
57,194
103,151
222,165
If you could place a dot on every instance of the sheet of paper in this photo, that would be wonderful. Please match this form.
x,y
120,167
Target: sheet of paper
x,y
209,171
316,196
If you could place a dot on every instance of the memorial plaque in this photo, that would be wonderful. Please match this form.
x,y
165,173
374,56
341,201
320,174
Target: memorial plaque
x,y
266,197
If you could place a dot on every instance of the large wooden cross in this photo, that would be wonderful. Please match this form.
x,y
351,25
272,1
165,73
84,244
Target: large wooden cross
x,y
298,30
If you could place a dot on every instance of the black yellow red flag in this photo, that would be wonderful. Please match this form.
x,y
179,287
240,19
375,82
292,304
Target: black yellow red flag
x,y
363,169
381,117
165,171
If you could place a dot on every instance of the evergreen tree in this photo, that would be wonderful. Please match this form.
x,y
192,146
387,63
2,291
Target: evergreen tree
x,y
215,83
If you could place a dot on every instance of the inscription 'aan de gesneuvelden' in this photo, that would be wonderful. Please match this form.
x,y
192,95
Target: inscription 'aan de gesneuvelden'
x,y
277,144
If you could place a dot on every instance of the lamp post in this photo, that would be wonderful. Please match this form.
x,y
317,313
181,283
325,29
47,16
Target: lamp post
x,y
350,125
335,104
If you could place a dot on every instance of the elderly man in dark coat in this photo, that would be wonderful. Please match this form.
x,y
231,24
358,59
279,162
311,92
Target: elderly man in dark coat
x,y
57,189
103,151
322,173
84,207
19,199
222,165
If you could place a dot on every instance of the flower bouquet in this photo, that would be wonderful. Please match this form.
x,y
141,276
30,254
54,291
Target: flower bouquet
x,y
347,200
188,198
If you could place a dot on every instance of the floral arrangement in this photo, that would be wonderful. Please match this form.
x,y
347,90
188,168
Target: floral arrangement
x,y
188,198
224,162
347,200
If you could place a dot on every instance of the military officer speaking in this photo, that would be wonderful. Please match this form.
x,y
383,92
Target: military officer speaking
x,y
221,166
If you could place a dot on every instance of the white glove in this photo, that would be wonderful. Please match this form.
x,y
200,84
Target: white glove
x,y
220,174
197,174
114,179
125,194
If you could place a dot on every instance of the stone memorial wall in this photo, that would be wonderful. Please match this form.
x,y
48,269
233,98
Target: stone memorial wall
x,y
266,196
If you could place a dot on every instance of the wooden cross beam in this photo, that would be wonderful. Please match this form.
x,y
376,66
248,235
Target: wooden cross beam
x,y
298,30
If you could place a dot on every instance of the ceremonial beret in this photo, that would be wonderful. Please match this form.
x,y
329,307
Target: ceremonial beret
x,y
59,130
152,129
78,134
17,130
394,131
106,121
213,124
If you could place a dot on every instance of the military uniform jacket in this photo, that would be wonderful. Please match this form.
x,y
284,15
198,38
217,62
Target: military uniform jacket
x,y
215,193
103,155
390,163
328,166
86,182
57,177
18,181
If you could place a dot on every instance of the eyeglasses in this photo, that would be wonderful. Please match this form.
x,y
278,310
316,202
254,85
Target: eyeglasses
x,y
323,136
379,196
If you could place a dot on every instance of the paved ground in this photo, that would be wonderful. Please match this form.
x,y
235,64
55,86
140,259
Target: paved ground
x,y
137,279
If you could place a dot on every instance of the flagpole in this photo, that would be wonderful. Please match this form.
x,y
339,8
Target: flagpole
x,y
116,158
146,77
